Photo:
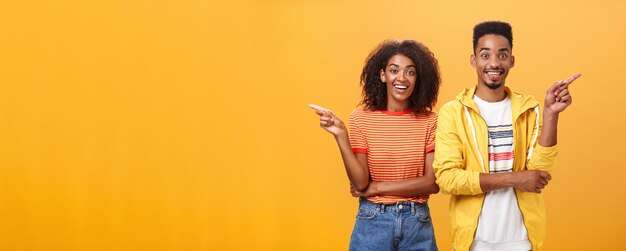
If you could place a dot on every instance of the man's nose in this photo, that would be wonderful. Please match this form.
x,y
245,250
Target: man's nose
x,y
493,62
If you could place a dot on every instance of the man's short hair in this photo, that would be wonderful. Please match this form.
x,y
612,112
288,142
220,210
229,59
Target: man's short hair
x,y
492,27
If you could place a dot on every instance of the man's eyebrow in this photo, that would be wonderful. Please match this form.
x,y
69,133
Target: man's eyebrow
x,y
484,49
504,49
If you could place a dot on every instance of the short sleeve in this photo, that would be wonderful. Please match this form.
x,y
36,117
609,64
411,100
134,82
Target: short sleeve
x,y
357,137
432,129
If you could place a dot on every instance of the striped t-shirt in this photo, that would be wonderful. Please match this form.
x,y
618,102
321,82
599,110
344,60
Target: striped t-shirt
x,y
500,224
395,143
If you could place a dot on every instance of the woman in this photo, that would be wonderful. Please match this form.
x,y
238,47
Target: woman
x,y
388,156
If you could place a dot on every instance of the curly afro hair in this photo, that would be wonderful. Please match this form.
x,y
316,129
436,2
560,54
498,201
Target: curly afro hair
x,y
424,95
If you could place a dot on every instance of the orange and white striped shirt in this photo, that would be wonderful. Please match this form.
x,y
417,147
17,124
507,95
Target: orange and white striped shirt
x,y
396,144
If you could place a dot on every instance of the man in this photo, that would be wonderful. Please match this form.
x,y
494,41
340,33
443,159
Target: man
x,y
494,153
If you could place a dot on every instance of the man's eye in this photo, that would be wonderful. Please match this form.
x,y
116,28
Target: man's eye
x,y
503,56
484,56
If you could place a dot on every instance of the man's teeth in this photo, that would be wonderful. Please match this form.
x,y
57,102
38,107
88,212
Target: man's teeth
x,y
401,87
493,73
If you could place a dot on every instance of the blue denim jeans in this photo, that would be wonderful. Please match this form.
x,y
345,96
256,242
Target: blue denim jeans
x,y
399,226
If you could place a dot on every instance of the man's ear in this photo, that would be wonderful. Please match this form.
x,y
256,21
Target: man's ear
x,y
382,76
512,61
473,60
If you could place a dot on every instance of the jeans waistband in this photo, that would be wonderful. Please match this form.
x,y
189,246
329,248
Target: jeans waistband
x,y
395,207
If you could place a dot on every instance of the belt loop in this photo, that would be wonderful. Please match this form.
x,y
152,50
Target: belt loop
x,y
382,208
413,207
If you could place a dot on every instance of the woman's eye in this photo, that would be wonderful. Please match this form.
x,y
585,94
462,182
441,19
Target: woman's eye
x,y
394,71
410,72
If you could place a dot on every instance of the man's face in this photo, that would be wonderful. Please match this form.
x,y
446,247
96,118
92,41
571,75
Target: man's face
x,y
492,60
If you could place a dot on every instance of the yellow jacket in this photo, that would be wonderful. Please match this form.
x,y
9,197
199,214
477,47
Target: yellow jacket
x,y
461,154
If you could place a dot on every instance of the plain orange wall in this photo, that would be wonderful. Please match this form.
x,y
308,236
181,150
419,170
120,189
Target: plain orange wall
x,y
182,125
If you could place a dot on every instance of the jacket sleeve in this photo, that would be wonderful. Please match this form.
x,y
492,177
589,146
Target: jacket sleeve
x,y
449,164
540,157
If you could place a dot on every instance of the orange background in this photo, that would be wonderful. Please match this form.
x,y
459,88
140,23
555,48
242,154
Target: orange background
x,y
182,125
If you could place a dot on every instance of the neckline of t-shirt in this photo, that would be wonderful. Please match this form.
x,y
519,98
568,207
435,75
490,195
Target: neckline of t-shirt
x,y
491,105
400,113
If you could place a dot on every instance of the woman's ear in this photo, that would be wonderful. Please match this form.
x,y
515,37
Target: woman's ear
x,y
382,76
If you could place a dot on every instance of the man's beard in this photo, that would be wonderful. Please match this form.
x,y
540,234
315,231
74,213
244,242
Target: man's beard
x,y
494,86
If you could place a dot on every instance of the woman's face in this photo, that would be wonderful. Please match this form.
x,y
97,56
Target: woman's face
x,y
400,76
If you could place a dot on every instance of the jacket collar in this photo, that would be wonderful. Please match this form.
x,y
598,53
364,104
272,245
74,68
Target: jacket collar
x,y
520,103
